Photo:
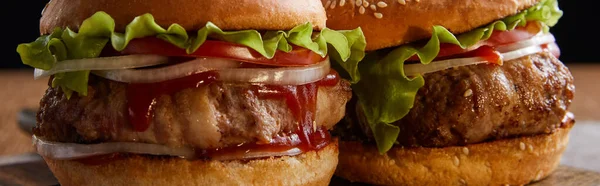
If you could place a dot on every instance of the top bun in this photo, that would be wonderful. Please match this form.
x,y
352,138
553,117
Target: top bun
x,y
388,23
191,14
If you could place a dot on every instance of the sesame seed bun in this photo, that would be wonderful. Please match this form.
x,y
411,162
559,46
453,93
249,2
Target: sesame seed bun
x,y
191,14
388,23
311,168
515,161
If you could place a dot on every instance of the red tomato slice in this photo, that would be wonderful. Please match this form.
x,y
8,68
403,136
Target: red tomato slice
x,y
151,45
518,34
497,38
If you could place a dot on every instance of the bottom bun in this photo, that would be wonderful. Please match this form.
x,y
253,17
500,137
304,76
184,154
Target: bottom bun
x,y
515,161
310,168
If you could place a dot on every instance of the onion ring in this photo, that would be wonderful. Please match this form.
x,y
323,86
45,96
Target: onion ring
x,y
65,151
228,72
102,63
277,76
180,70
419,68
70,151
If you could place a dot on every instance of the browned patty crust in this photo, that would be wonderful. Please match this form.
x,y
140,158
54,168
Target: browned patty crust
x,y
471,104
213,115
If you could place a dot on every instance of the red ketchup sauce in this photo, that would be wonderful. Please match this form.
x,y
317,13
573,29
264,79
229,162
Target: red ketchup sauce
x,y
488,53
141,97
101,159
301,100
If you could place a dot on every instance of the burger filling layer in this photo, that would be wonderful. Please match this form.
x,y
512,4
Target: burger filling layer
x,y
198,112
213,115
477,103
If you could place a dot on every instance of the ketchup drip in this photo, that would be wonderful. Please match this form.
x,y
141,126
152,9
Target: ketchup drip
x,y
488,53
301,100
319,139
141,97
331,79
101,159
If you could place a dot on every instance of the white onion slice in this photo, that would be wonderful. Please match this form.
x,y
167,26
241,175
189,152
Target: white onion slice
x,y
521,52
534,41
256,154
415,69
154,75
58,150
102,63
69,151
277,76
419,68
227,70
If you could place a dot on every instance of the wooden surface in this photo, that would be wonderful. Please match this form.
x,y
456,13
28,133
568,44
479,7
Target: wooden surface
x,y
19,90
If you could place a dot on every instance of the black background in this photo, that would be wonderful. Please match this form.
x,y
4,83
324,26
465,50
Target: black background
x,y
575,32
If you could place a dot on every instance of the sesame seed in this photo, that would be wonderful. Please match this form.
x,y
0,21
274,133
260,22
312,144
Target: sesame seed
x,y
381,4
465,150
332,4
462,182
342,2
361,10
531,148
378,15
392,162
417,0
365,3
402,2
456,161
327,3
468,93
314,125
358,2
373,7
522,146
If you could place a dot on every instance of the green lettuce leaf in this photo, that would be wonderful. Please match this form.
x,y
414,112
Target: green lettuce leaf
x,y
44,51
347,59
96,31
386,94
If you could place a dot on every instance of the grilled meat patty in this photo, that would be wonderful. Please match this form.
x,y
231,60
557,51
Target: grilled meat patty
x,y
214,115
475,103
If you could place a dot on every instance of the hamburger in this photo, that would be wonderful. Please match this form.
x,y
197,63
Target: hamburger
x,y
454,92
190,92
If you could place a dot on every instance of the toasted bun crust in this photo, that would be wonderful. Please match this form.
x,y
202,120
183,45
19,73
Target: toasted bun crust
x,y
191,14
402,23
514,161
311,168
